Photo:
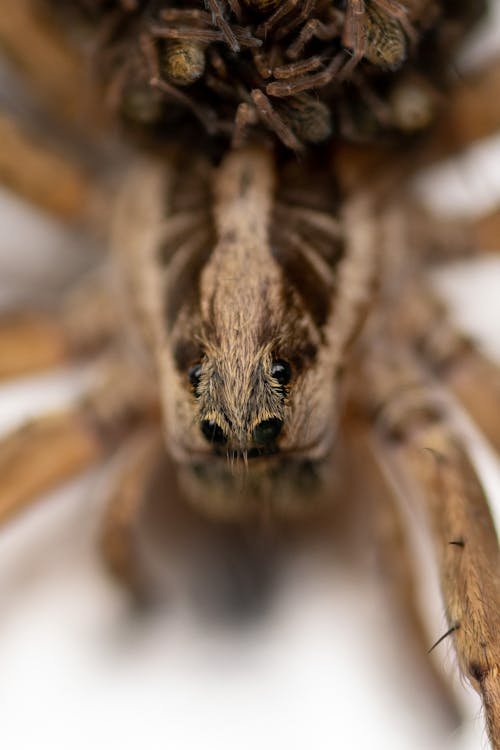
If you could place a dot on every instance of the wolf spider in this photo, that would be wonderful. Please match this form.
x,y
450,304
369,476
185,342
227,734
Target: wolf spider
x,y
263,323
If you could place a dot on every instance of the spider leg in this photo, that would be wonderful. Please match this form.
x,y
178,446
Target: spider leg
x,y
414,438
471,112
472,376
292,86
37,340
32,40
312,29
47,450
486,231
272,119
217,9
354,35
283,9
119,530
423,319
305,11
395,555
45,175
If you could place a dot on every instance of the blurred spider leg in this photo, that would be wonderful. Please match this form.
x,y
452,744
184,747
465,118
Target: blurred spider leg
x,y
30,37
47,450
46,177
394,554
37,340
470,113
472,377
118,537
246,115
413,439
486,231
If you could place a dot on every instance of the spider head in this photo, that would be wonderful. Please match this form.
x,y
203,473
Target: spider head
x,y
251,380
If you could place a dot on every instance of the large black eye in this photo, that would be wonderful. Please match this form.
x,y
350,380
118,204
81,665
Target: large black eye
x,y
267,431
281,371
212,432
194,374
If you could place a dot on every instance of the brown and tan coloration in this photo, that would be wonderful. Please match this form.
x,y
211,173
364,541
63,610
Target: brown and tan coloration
x,y
236,289
259,297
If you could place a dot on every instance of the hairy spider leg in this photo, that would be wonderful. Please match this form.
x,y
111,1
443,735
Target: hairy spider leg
x,y
414,438
37,46
49,449
394,554
44,175
129,494
35,340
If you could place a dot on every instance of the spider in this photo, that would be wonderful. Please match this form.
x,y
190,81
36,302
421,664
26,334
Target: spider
x,y
272,322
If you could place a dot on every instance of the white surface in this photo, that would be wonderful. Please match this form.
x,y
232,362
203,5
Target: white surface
x,y
325,669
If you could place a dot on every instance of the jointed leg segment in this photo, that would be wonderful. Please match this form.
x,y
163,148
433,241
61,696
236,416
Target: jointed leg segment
x,y
427,457
49,449
37,340
118,540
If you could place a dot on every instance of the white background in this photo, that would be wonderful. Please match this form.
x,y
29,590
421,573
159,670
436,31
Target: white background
x,y
324,668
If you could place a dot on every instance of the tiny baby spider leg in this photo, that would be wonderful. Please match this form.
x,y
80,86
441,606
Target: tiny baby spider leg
x,y
353,35
118,539
191,15
306,8
293,70
283,9
414,439
35,340
312,29
317,80
47,450
217,9
272,119
395,555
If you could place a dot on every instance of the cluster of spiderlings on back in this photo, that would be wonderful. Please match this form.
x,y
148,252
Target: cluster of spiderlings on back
x,y
302,70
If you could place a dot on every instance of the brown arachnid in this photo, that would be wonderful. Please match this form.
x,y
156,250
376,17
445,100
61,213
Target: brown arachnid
x,y
272,324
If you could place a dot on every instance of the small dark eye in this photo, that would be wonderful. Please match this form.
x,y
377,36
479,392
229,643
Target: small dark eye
x,y
212,432
194,374
281,371
267,431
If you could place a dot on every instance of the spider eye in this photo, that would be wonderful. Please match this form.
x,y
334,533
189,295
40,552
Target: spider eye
x,y
281,371
212,432
194,374
267,431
